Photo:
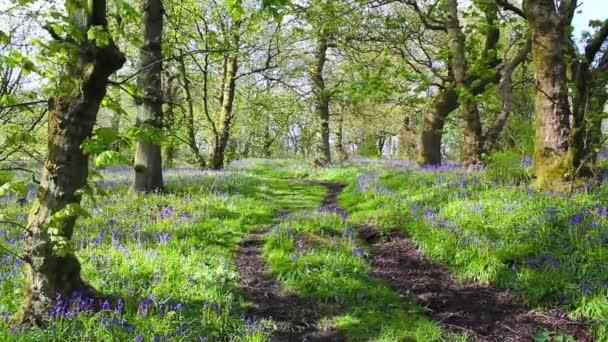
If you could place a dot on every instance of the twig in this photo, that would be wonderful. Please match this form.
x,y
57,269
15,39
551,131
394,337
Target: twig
x,y
25,104
193,52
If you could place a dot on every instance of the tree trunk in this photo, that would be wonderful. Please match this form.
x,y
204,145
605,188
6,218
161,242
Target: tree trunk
x,y
148,157
321,98
380,143
341,154
506,91
53,269
471,149
429,149
407,139
268,138
552,160
190,127
226,114
588,100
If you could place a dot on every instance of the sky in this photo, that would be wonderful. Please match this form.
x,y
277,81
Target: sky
x,y
590,10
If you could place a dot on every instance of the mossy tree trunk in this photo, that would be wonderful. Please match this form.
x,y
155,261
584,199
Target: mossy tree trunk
x,y
228,92
148,154
53,268
548,26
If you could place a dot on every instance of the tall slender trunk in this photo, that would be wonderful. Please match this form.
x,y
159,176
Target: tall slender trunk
x,y
407,139
226,114
506,91
170,97
148,157
380,143
341,154
323,149
552,160
72,115
588,100
268,138
190,122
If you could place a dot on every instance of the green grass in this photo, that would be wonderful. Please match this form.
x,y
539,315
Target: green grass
x,y
316,255
550,248
175,249
170,256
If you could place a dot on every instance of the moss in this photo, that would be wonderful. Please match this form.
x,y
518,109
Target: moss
x,y
553,172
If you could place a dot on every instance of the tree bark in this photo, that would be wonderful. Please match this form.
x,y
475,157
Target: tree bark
x,y
341,154
148,156
548,27
321,98
444,102
472,145
446,99
228,93
407,139
506,91
72,115
589,97
190,126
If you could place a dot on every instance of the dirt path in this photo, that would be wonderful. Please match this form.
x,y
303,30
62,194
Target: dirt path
x,y
484,313
293,315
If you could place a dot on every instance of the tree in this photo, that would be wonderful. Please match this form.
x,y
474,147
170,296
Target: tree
x,y
468,83
52,267
148,156
321,97
564,139
231,68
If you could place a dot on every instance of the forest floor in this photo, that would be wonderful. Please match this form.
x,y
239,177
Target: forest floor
x,y
280,251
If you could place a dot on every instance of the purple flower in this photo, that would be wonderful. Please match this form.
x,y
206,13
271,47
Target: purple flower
x,y
358,252
300,244
119,306
585,288
162,237
576,218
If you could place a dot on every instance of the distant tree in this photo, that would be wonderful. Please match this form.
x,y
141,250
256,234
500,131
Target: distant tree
x,y
148,155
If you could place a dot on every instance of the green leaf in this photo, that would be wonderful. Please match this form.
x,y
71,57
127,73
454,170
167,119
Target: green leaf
x,y
4,39
71,210
14,187
99,35
147,133
108,158
234,8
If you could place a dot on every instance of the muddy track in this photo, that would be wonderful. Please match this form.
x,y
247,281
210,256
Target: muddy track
x,y
293,315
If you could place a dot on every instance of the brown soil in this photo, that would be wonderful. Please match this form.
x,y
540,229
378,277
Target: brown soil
x,y
485,313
